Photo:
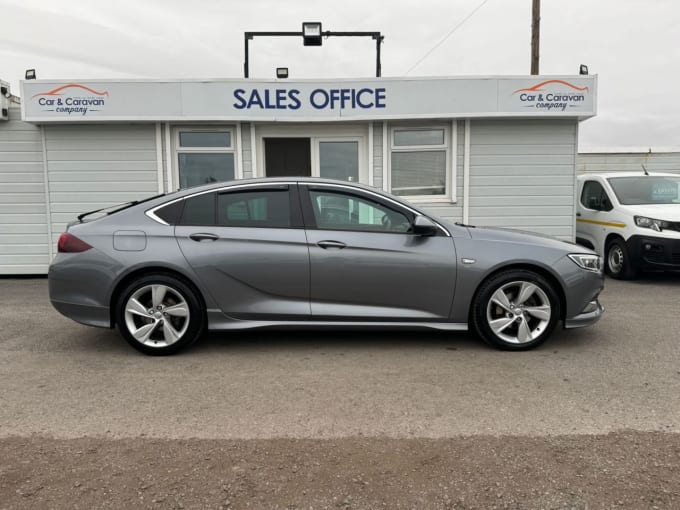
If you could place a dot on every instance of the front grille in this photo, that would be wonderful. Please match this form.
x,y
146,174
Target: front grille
x,y
675,257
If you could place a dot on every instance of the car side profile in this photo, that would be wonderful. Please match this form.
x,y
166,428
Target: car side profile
x,y
302,252
632,219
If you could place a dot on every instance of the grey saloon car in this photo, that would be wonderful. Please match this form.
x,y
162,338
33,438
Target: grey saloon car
x,y
300,253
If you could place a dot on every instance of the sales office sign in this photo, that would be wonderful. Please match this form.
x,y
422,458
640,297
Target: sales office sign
x,y
307,100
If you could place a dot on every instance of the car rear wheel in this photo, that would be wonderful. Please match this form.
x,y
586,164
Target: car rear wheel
x,y
618,263
159,314
516,310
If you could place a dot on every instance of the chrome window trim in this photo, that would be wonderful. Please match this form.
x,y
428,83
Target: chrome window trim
x,y
151,212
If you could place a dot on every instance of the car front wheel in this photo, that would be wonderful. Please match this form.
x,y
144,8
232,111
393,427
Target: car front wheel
x,y
159,314
516,310
618,263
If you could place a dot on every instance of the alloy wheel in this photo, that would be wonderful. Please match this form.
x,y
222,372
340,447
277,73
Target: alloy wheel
x,y
518,312
157,315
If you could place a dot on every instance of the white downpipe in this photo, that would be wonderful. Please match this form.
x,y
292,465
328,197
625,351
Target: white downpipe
x,y
159,156
466,174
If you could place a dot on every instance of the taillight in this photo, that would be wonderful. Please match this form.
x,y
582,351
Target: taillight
x,y
68,243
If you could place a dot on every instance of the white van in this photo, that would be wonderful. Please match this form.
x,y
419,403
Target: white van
x,y
631,219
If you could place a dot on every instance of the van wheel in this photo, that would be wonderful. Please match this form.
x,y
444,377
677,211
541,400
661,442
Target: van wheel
x,y
159,314
618,263
515,310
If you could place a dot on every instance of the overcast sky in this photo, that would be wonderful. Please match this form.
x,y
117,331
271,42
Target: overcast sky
x,y
632,45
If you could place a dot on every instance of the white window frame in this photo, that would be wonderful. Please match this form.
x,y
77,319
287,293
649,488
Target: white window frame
x,y
232,149
449,146
316,157
316,133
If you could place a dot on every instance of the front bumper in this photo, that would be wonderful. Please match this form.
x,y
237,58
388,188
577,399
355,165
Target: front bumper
x,y
649,252
590,315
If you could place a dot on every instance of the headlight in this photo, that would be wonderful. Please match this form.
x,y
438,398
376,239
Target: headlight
x,y
644,222
587,261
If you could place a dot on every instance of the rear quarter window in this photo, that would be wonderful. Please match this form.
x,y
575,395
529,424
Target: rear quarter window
x,y
199,210
171,213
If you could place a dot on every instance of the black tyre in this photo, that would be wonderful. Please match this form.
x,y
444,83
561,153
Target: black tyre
x,y
617,261
160,314
515,310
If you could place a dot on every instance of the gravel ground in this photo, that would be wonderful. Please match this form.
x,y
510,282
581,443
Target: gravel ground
x,y
343,420
618,470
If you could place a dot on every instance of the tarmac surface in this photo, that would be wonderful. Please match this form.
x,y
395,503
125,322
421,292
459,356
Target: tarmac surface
x,y
301,419
68,380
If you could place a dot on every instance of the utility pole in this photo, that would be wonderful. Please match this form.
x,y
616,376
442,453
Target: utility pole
x,y
535,34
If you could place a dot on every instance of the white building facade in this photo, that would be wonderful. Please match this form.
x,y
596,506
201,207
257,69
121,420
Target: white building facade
x,y
496,151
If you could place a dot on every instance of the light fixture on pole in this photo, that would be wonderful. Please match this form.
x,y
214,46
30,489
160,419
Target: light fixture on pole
x,y
282,72
311,33
583,69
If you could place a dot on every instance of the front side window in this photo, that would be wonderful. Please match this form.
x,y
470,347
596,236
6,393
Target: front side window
x,y
204,157
340,211
263,209
595,197
419,161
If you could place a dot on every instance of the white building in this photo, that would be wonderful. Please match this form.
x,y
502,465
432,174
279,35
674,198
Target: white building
x,y
481,150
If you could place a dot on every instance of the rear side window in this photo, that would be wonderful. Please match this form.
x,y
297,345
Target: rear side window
x,y
263,209
199,210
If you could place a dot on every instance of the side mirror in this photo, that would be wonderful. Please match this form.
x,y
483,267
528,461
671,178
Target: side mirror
x,y
424,226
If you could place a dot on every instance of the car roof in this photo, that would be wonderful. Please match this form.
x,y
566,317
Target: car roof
x,y
639,173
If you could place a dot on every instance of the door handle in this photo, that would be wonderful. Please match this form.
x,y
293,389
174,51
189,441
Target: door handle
x,y
203,236
578,214
331,244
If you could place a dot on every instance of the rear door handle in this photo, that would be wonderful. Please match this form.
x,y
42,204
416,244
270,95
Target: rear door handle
x,y
203,236
331,244
578,214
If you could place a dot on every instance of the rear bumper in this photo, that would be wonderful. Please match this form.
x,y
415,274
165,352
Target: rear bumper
x,y
85,314
589,316
649,252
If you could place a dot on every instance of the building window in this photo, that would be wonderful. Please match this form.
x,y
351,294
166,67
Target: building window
x,y
419,162
204,156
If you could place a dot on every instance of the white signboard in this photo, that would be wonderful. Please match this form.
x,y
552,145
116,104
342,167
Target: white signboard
x,y
283,100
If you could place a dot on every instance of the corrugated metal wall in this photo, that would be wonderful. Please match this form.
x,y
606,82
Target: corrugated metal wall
x,y
628,162
23,214
97,166
522,175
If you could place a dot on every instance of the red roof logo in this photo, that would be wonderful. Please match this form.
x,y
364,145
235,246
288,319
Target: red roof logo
x,y
539,86
59,90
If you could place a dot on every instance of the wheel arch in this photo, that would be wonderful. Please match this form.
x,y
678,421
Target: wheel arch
x,y
540,270
610,237
138,272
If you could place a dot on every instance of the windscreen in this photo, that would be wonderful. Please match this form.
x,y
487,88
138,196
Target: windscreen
x,y
646,189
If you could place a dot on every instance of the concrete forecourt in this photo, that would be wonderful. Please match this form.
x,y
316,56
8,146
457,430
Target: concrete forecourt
x,y
267,419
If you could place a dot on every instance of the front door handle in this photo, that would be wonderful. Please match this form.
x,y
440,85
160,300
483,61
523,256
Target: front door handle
x,y
331,244
578,214
203,236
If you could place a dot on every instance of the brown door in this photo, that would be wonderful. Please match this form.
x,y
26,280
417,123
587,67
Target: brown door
x,y
287,157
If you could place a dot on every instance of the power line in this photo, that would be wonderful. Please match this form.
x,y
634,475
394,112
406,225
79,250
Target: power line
x,y
447,36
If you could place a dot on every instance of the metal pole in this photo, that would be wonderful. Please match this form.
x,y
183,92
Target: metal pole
x,y
378,70
535,34
245,63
